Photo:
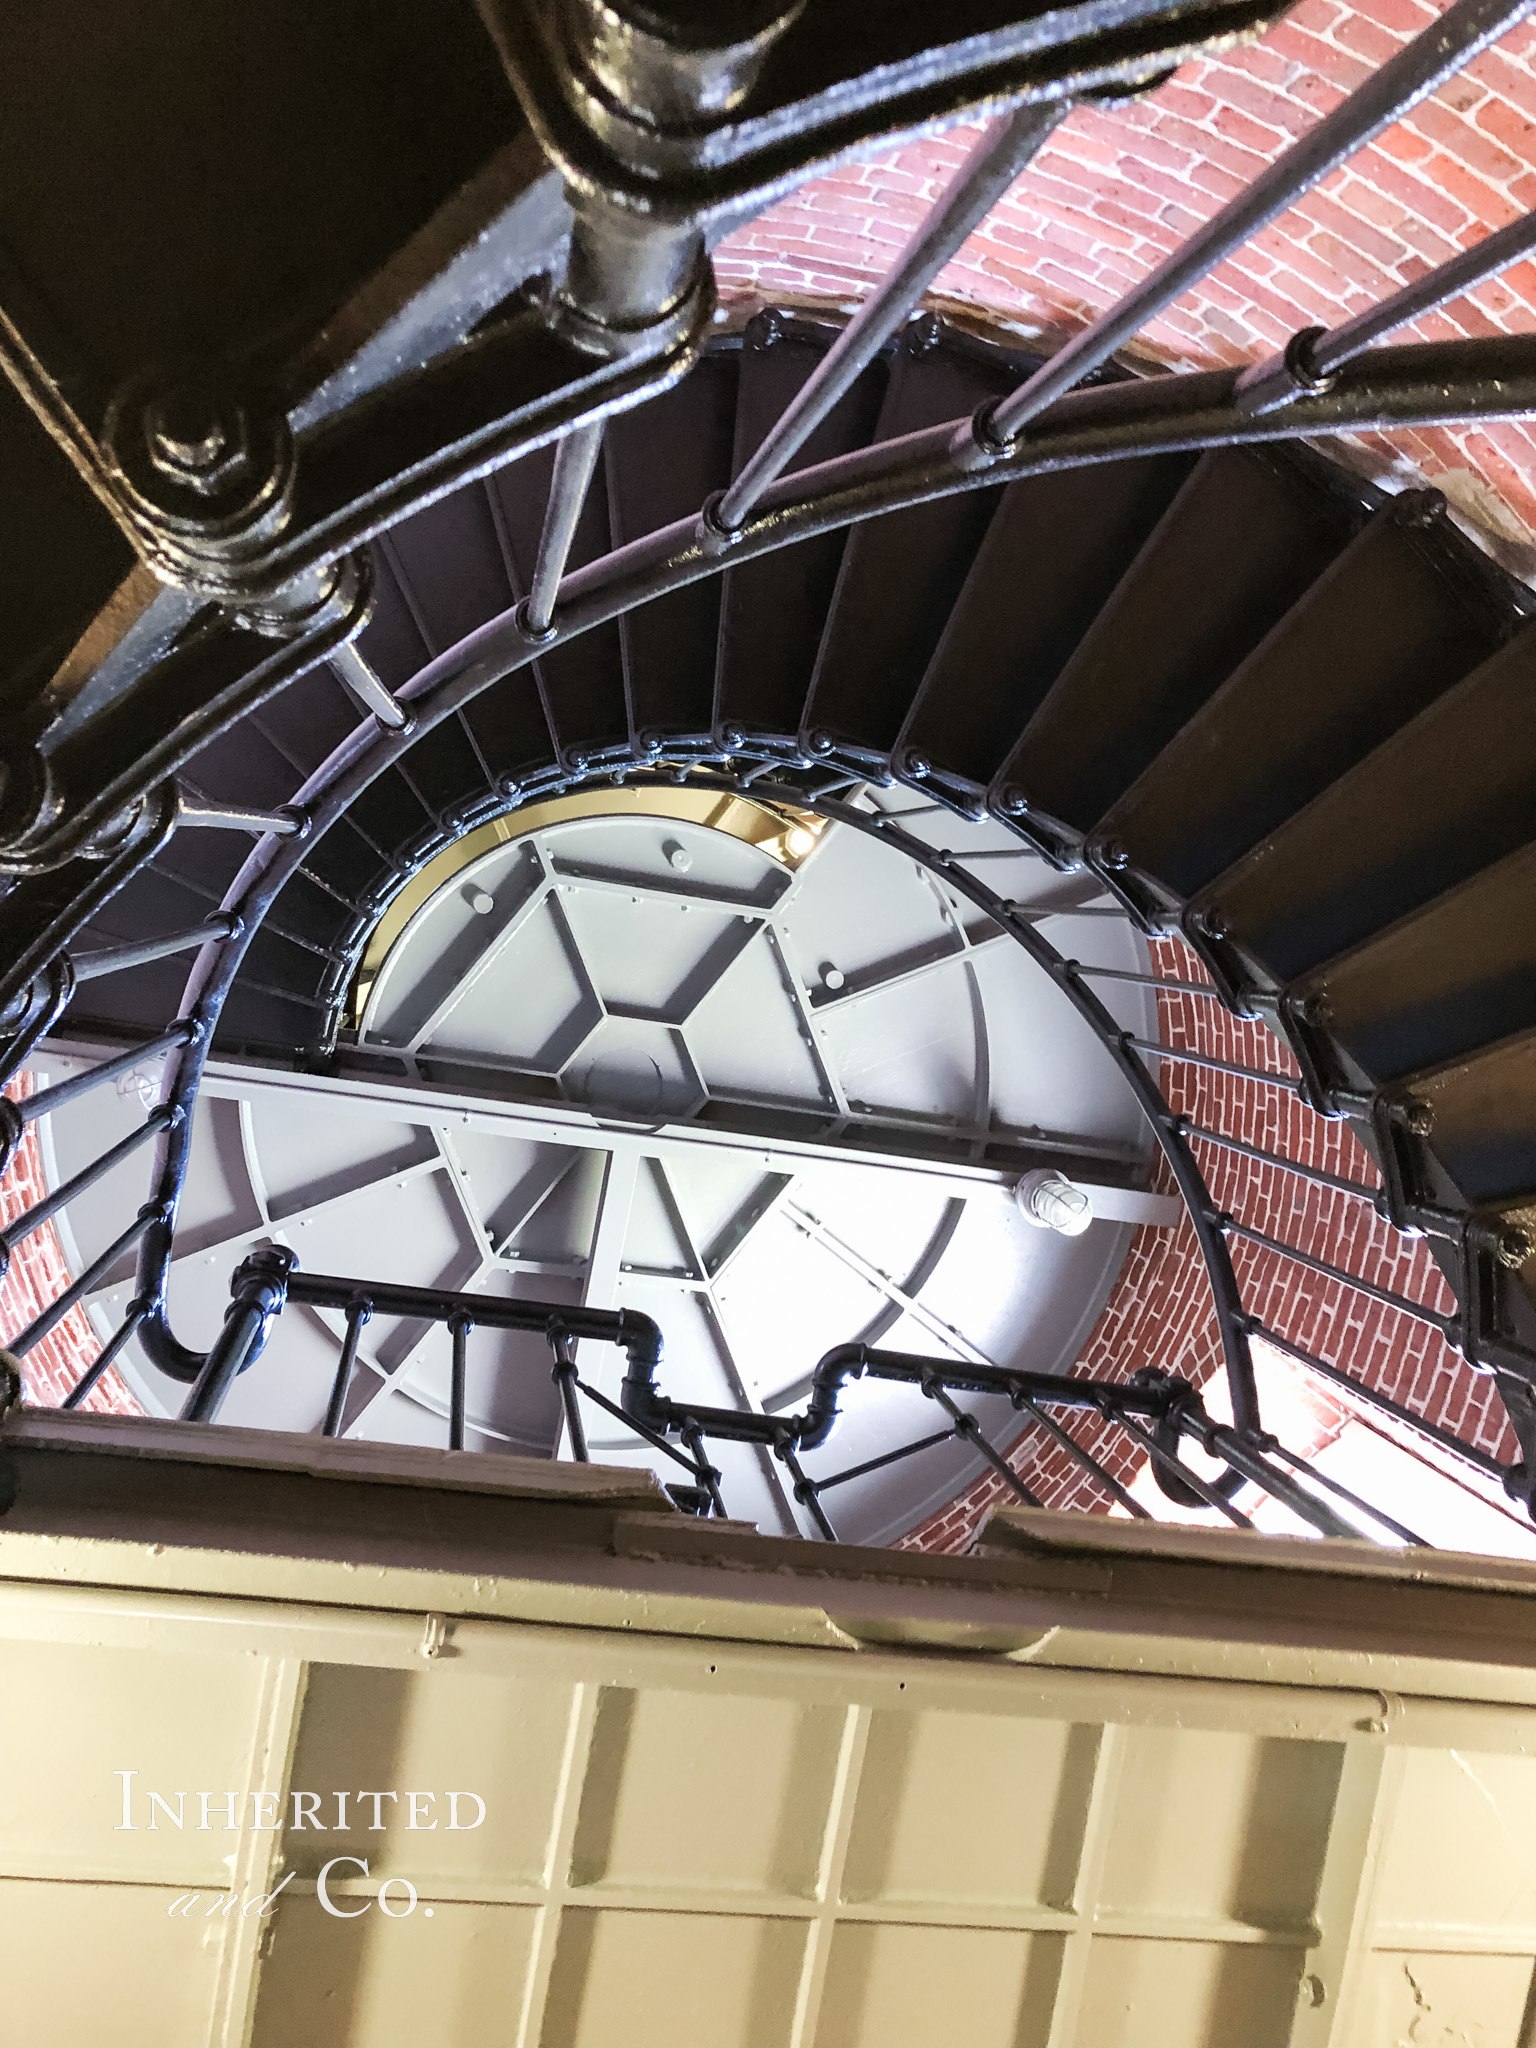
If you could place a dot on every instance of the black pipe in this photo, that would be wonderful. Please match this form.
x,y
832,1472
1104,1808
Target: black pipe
x,y
257,1294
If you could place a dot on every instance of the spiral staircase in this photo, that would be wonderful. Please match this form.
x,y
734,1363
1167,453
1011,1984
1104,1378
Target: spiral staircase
x,y
346,570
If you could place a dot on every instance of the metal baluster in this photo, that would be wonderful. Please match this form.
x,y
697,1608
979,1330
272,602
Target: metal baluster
x,y
565,1379
1465,27
709,1477
969,197
459,1326
575,460
33,1219
808,1491
357,1316
1086,1459
57,1310
1311,357
106,1358
140,952
968,1427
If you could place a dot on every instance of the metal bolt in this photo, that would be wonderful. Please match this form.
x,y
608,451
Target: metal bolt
x,y
1514,1249
1114,856
481,901
678,856
1014,802
1317,1009
1419,508
832,977
821,743
1419,1119
917,764
195,441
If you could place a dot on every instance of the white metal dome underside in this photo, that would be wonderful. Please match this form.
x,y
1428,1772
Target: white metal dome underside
x,y
635,1059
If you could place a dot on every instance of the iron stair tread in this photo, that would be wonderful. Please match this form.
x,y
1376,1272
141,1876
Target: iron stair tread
x,y
1386,629
1483,1131
1244,539
1056,548
439,576
1428,808
902,572
663,460
1454,975
773,611
135,1003
580,684
449,570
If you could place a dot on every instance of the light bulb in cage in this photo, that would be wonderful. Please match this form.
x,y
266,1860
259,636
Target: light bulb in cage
x,y
1050,1201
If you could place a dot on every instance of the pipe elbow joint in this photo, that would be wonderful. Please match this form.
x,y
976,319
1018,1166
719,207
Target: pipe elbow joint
x,y
842,1362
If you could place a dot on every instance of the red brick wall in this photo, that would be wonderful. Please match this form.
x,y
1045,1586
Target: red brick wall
x,y
1159,1313
38,1275
1117,189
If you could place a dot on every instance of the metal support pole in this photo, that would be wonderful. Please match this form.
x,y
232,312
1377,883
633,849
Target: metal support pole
x,y
105,1359
366,687
116,959
56,1311
1310,358
575,460
60,1198
709,1477
565,1379
970,196
805,1490
1087,1460
357,1315
459,1326
1448,1326
1180,1471
49,1099
968,1427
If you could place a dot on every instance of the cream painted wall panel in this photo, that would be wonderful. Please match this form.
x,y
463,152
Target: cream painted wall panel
x,y
1480,1813
970,1807
103,1966
671,1980
709,1793
1188,1994
935,1987
1439,2001
456,1980
183,1724
433,1731
1221,1826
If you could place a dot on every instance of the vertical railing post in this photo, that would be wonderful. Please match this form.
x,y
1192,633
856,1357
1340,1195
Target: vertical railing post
x,y
564,1376
459,1324
359,1313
